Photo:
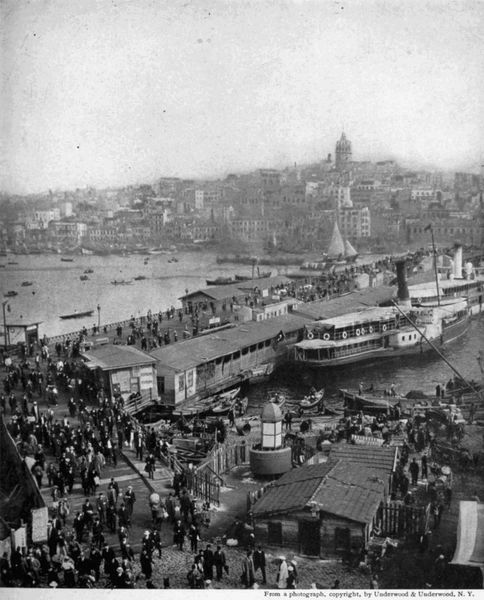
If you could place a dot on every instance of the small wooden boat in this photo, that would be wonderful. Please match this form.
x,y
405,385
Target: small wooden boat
x,y
12,262
87,271
224,402
278,399
313,400
121,282
26,283
140,278
173,259
64,259
77,315
262,275
11,294
83,277
220,281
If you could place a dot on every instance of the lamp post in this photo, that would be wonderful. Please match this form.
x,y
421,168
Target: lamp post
x,y
5,333
98,317
429,228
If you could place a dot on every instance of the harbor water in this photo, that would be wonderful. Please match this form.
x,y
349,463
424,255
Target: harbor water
x,y
57,289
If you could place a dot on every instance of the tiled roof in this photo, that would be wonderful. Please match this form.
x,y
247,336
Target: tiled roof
x,y
114,357
293,490
338,488
350,491
373,457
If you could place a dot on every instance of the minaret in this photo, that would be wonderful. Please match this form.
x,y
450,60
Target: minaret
x,y
343,154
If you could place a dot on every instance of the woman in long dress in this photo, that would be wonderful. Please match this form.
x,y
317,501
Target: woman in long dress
x,y
282,574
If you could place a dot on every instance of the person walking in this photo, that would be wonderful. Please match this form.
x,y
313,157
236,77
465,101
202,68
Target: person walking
x,y
179,534
260,562
208,562
248,575
129,500
414,469
219,562
282,573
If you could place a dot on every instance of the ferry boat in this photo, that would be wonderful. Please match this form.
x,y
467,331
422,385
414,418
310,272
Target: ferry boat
x,y
467,282
381,332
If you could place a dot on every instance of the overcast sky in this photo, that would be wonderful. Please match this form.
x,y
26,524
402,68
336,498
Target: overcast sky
x,y
115,92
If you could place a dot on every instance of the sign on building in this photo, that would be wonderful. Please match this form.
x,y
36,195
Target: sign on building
x,y
40,520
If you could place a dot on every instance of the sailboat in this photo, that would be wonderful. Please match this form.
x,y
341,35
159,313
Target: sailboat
x,y
340,251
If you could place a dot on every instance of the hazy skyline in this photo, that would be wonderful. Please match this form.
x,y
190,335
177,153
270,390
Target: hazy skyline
x,y
111,93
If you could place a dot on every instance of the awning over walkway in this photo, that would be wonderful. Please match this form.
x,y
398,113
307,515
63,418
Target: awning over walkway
x,y
470,535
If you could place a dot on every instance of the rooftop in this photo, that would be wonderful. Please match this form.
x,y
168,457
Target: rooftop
x,y
337,487
293,490
327,309
116,357
190,353
381,458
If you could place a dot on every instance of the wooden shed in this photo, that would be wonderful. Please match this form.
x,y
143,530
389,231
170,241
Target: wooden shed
x,y
327,510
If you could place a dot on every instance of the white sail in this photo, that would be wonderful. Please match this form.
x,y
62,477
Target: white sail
x,y
336,245
350,252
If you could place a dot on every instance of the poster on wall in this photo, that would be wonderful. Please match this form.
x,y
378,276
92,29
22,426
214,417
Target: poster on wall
x,y
122,379
19,537
146,379
40,520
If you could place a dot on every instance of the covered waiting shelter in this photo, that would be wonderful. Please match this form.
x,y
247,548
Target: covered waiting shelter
x,y
469,551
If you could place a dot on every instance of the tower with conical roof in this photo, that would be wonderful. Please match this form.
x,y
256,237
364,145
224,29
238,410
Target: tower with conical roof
x,y
343,154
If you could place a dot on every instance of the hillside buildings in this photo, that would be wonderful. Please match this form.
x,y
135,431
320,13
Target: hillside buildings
x,y
378,206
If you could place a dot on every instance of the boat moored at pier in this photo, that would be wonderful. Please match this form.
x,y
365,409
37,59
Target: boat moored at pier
x,y
380,333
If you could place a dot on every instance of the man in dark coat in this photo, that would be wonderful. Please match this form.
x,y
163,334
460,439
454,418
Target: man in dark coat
x,y
260,562
208,562
413,468
220,562
179,534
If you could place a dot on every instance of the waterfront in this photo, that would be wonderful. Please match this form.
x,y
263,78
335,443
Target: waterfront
x,y
419,372
57,288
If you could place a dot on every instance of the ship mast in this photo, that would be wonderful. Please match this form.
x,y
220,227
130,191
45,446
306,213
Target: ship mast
x,y
414,325
429,227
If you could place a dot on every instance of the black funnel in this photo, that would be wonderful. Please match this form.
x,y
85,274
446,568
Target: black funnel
x,y
403,294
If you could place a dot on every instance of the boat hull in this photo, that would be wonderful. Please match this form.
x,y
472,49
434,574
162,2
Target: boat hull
x,y
450,333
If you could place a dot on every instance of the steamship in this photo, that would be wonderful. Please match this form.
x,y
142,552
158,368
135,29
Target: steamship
x,y
383,332
462,281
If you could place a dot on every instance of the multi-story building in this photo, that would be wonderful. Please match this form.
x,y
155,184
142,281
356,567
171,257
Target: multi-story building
x,y
355,222
67,231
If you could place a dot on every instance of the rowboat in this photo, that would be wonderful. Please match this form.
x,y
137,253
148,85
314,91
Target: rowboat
x,y
26,283
121,282
222,403
220,281
140,278
11,294
77,315
278,399
312,400
83,277
63,259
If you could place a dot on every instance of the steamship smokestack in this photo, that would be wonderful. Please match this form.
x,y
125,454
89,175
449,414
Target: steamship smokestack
x,y
403,295
458,262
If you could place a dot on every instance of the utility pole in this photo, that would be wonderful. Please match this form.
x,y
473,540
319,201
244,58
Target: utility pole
x,y
98,317
5,333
